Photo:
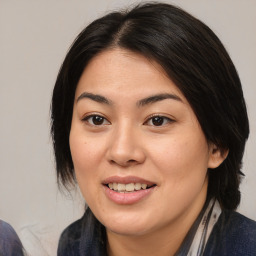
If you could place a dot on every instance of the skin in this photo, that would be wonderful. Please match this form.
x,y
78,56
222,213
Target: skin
x,y
174,155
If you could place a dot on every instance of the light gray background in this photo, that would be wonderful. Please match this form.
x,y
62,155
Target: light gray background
x,y
34,38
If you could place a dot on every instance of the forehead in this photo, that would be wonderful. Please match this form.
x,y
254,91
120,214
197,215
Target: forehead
x,y
124,72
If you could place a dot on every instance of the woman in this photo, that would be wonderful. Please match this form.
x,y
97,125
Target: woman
x,y
148,117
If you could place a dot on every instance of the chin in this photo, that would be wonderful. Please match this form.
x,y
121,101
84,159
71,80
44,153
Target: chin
x,y
129,226
128,230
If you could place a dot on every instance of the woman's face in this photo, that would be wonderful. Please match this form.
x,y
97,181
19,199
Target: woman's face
x,y
139,153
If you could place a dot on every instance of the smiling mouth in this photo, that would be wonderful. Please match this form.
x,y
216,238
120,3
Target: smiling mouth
x,y
128,188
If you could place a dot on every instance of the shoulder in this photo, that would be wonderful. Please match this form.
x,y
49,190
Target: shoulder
x,y
10,243
70,239
233,234
86,236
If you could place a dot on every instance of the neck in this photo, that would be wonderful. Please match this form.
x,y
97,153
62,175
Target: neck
x,y
161,243
164,241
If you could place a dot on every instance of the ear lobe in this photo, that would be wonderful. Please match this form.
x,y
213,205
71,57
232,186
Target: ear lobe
x,y
216,156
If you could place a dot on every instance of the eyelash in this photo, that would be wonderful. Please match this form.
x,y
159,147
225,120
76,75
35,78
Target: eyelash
x,y
87,119
166,120
162,120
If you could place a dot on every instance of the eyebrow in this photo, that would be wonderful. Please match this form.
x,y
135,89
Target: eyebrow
x,y
94,97
146,101
156,98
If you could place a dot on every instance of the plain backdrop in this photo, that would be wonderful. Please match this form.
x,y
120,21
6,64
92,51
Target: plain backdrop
x,y
34,38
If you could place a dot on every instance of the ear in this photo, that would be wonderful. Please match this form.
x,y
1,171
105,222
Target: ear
x,y
216,156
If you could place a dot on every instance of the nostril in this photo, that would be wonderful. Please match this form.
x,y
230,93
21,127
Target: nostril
x,y
123,163
131,161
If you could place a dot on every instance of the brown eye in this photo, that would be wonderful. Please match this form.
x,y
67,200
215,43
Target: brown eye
x,y
158,121
96,120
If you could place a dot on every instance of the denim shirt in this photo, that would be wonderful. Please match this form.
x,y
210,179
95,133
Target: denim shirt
x,y
232,235
10,244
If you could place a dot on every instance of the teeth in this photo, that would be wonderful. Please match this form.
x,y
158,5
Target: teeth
x,y
144,186
129,187
115,186
137,186
119,187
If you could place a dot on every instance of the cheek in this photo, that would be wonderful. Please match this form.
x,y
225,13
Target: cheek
x,y
85,156
183,168
84,151
79,152
84,166
181,159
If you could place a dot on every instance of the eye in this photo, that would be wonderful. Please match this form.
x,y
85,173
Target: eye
x,y
96,120
158,121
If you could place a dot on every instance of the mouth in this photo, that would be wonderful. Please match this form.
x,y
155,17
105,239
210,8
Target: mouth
x,y
128,184
128,188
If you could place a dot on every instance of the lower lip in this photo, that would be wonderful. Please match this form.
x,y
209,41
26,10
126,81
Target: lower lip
x,y
129,197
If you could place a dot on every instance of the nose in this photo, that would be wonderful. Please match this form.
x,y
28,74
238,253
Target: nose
x,y
125,148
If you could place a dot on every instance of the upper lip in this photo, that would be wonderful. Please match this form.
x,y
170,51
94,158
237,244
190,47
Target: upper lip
x,y
127,180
